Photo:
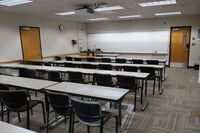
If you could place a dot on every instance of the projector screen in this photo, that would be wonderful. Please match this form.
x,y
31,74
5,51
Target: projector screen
x,y
131,42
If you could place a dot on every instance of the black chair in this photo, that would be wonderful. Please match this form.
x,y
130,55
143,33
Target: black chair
x,y
54,76
17,101
69,65
129,83
137,61
68,58
76,77
105,67
61,106
57,58
106,60
152,76
103,80
91,115
130,68
77,59
87,66
120,60
47,64
90,59
152,62
31,73
22,72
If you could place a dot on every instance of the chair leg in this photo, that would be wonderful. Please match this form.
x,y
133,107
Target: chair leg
x,y
154,83
8,116
73,115
101,126
19,118
88,129
27,119
70,123
2,112
35,93
110,104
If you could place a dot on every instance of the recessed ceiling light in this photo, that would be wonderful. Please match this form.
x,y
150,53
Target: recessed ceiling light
x,y
65,13
14,2
97,19
167,13
111,8
131,16
158,3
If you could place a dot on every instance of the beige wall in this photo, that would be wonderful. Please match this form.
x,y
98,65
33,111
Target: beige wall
x,y
54,42
152,24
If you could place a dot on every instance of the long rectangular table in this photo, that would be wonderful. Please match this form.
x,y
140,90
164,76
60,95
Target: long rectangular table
x,y
9,128
98,92
138,75
28,83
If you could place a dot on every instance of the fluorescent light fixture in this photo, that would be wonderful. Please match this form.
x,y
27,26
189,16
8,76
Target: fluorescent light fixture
x,y
167,13
14,2
97,19
65,13
131,16
111,8
158,3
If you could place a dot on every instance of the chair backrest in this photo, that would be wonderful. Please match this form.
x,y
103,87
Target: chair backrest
x,y
106,60
137,61
47,64
86,111
152,62
77,59
126,82
54,76
60,102
76,77
13,98
103,79
4,87
68,58
90,59
105,67
120,60
150,70
130,68
69,65
57,58
22,72
87,66
31,73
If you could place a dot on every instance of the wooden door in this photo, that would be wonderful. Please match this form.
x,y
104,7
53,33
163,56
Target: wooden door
x,y
180,44
31,43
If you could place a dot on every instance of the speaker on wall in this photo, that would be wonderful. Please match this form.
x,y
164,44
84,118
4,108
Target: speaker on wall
x,y
74,42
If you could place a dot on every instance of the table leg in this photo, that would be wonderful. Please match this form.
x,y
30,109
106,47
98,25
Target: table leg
x,y
160,82
144,104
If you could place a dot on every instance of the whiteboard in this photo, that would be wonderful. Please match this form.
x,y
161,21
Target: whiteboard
x,y
132,42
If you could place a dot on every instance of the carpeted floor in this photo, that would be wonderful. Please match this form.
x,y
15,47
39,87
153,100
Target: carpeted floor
x,y
177,110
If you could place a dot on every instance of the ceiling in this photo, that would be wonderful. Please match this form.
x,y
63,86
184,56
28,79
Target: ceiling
x,y
48,8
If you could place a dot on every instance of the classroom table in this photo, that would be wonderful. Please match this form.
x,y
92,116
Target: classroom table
x,y
9,128
138,75
27,83
107,55
159,68
98,92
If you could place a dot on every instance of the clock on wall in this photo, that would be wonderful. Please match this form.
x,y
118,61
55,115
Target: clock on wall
x,y
61,27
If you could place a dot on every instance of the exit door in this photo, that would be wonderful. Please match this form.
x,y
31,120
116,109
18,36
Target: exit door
x,y
180,45
30,42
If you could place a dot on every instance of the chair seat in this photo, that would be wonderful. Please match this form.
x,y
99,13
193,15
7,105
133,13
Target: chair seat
x,y
32,104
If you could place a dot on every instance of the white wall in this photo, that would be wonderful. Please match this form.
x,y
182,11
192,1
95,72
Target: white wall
x,y
151,25
53,41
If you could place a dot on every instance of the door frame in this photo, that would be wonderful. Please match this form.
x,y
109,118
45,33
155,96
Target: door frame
x,y
171,44
20,27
